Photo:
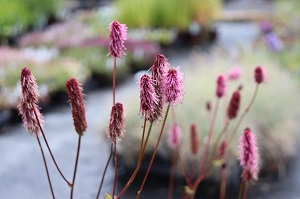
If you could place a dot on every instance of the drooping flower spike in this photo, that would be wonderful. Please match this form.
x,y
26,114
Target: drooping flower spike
x,y
174,136
118,35
173,88
75,96
249,156
148,99
116,126
28,107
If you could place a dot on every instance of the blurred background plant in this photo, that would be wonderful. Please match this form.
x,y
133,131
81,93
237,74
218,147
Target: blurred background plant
x,y
19,15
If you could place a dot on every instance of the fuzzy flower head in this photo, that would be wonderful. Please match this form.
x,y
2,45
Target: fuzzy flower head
x,y
159,71
118,35
234,105
116,126
194,140
148,98
234,74
174,136
221,86
173,89
249,156
28,107
75,96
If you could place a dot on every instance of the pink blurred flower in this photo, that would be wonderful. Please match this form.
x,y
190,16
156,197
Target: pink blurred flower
x,y
173,89
234,73
249,156
116,126
194,140
75,95
118,35
148,98
28,106
174,136
221,86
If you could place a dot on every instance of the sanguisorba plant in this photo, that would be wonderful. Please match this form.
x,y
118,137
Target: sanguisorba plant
x,y
160,93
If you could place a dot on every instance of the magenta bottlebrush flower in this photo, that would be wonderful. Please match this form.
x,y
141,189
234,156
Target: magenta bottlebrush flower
x,y
234,105
28,106
234,73
174,136
173,87
259,74
249,156
118,35
116,126
75,96
221,86
194,140
159,71
148,99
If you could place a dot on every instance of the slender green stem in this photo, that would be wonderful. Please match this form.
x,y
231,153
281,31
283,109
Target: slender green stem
x,y
244,114
141,155
46,167
104,173
76,164
116,169
172,174
154,152
48,147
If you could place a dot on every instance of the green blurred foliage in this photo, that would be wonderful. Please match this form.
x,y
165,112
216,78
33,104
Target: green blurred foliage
x,y
167,13
17,15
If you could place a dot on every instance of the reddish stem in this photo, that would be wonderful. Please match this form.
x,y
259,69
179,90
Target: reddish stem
x,y
76,164
172,175
187,180
116,167
114,80
223,182
48,147
154,153
46,167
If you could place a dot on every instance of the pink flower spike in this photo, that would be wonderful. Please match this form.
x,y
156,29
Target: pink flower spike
x,y
28,106
249,156
260,75
174,136
148,99
221,86
116,126
118,35
173,89
234,73
159,71
75,96
234,105
194,140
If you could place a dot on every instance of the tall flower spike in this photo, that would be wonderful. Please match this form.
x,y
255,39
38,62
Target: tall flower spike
x,y
28,106
221,86
173,87
116,126
75,96
148,99
234,105
259,74
249,156
194,140
118,35
174,136
159,70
